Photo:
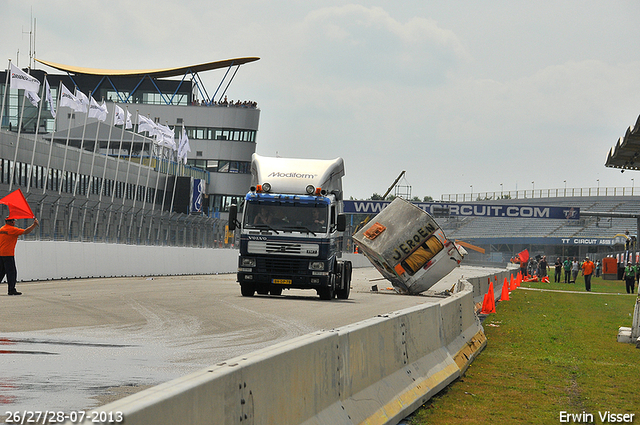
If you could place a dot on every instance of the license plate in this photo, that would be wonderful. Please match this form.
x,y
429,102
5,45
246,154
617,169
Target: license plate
x,y
281,281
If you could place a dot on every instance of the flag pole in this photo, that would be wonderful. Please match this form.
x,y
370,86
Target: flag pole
x,y
93,160
91,185
126,179
4,94
55,120
155,193
84,129
15,154
77,179
175,180
164,192
115,179
66,149
135,197
144,201
104,171
35,139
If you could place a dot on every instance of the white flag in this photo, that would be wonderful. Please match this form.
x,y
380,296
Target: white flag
x,y
33,97
129,124
146,124
83,99
47,91
94,108
22,80
98,111
184,147
166,136
118,116
69,100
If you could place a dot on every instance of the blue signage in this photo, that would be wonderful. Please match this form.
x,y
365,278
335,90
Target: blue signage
x,y
471,210
197,194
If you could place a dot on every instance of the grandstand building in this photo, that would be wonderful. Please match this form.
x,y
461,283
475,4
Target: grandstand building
x,y
92,180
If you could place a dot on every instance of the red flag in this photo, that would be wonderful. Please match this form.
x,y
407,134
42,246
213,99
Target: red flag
x,y
523,256
18,205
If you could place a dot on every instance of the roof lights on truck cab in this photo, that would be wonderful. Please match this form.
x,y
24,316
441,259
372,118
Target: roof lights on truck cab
x,y
311,190
264,187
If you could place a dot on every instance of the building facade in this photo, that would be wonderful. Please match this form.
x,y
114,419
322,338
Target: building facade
x,y
93,180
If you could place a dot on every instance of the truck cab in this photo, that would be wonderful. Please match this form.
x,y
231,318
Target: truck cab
x,y
291,228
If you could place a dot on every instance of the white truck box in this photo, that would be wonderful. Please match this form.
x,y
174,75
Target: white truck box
x,y
408,247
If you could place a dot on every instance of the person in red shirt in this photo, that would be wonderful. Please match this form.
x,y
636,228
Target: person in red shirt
x,y
9,234
587,272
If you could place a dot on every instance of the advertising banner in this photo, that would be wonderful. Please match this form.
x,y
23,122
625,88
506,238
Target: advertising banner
x,y
197,195
440,209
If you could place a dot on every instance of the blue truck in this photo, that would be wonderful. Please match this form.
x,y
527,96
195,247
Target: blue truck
x,y
291,228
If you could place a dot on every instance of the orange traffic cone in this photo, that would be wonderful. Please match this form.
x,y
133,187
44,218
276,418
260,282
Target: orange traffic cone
x,y
504,296
512,284
545,279
485,307
491,299
489,304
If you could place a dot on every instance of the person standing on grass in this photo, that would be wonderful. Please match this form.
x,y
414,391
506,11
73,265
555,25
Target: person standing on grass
x,y
587,271
558,266
630,278
567,270
575,268
542,267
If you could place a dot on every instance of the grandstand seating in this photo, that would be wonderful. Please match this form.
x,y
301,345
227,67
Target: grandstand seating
x,y
469,228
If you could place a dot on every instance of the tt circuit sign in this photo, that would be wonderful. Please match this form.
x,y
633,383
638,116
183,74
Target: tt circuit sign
x,y
439,209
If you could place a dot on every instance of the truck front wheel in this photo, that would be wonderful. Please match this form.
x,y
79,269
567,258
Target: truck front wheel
x,y
329,291
344,290
247,290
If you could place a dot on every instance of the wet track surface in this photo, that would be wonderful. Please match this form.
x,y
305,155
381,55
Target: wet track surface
x,y
75,345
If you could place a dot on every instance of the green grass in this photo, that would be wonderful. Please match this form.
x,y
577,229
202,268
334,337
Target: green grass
x,y
547,352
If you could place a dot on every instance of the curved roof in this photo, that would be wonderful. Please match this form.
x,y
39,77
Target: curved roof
x,y
154,73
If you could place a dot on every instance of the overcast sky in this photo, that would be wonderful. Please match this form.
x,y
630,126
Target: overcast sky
x,y
467,95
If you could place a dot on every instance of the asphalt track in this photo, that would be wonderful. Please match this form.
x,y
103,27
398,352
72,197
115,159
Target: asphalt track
x,y
78,344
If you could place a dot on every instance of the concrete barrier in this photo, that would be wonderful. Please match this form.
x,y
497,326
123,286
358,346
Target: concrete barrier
x,y
45,260
373,372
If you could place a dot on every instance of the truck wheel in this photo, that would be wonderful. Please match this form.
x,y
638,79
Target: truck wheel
x,y
345,279
328,292
247,290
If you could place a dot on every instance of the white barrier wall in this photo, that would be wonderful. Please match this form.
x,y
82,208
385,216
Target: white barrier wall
x,y
44,260
374,372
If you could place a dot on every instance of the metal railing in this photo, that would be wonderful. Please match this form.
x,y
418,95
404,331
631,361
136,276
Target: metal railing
x,y
541,193
79,220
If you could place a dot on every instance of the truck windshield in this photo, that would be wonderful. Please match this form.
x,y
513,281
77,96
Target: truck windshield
x,y
306,218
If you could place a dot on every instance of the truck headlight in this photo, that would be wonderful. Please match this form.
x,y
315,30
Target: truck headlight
x,y
248,262
316,265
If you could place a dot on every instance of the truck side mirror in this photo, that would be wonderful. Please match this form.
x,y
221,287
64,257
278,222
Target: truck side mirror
x,y
341,223
233,217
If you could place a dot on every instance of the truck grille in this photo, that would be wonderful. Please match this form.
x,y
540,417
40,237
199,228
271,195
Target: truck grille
x,y
282,266
283,248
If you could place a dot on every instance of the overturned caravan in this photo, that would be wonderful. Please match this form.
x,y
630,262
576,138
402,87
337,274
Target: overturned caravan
x,y
408,247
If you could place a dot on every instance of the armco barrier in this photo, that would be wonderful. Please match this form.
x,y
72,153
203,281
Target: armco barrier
x,y
373,372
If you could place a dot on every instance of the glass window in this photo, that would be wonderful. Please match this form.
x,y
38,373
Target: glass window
x,y
287,217
212,165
